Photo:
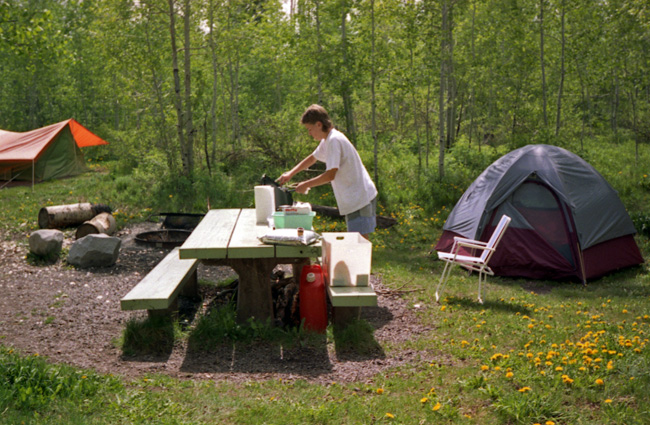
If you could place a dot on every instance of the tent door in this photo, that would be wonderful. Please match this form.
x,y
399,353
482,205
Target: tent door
x,y
542,209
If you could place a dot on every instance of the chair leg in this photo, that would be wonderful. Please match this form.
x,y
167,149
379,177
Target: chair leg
x,y
443,280
480,275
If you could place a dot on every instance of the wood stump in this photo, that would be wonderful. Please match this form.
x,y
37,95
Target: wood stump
x,y
101,223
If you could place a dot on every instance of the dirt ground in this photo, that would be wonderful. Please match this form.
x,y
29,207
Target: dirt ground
x,y
73,316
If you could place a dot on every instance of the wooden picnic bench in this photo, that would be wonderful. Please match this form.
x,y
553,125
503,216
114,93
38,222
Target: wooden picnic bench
x,y
158,291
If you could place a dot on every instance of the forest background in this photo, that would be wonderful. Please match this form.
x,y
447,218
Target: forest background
x,y
199,98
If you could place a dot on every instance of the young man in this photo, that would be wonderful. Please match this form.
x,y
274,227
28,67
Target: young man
x,y
354,190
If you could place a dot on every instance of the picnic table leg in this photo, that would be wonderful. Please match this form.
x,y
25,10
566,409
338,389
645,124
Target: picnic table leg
x,y
254,291
343,316
297,268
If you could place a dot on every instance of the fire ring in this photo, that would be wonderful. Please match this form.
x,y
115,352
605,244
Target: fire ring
x,y
163,238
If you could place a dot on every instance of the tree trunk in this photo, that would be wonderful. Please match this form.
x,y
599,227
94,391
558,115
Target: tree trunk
x,y
215,91
614,106
233,72
451,85
101,223
472,81
188,149
541,56
345,81
558,116
178,104
373,103
156,85
415,114
443,88
427,123
635,128
59,216
319,73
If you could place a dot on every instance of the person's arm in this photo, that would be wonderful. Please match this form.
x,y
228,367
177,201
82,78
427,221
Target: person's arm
x,y
302,165
326,177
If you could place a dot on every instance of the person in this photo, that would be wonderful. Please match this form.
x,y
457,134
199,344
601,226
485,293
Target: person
x,y
355,193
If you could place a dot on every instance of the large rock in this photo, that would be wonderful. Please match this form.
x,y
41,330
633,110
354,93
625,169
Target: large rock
x,y
96,250
46,242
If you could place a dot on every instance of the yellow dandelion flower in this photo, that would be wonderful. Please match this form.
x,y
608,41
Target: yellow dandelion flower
x,y
524,389
380,390
424,400
558,369
549,423
609,400
509,375
600,382
443,308
485,367
436,407
389,415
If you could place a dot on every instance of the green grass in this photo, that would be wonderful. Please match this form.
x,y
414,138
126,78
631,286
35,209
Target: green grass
x,y
534,352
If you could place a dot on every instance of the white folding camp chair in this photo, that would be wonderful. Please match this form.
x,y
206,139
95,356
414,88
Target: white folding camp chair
x,y
472,263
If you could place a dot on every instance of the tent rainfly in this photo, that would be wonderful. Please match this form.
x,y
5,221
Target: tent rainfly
x,y
567,221
46,153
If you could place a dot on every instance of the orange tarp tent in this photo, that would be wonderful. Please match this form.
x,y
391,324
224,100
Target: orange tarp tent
x,y
45,153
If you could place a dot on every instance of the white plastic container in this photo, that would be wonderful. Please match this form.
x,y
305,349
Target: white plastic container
x,y
347,258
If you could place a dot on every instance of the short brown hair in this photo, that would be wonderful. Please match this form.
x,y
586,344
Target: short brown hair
x,y
316,113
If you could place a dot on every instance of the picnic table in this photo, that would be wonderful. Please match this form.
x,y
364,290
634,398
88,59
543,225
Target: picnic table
x,y
229,237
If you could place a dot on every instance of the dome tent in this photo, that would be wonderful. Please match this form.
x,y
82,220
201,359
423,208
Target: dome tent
x,y
46,153
567,221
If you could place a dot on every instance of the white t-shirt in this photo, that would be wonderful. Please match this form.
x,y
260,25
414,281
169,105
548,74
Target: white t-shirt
x,y
353,187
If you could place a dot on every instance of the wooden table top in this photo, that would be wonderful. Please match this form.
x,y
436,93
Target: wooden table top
x,y
233,233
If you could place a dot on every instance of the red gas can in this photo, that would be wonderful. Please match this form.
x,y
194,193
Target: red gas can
x,y
313,305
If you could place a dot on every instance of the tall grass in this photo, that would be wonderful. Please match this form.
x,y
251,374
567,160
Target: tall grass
x,y
29,383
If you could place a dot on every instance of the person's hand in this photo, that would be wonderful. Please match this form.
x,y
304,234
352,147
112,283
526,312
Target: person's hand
x,y
302,188
285,177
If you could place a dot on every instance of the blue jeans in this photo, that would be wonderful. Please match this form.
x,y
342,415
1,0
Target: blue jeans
x,y
364,220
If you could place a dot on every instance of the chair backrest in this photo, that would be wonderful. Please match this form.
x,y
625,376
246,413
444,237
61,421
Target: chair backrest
x,y
496,237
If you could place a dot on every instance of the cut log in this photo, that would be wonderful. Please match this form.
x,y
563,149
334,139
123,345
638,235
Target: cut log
x,y
383,222
59,216
101,223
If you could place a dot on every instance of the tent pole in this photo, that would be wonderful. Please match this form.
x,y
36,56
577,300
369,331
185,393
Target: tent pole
x,y
582,265
33,172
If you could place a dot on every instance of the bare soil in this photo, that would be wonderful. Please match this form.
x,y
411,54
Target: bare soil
x,y
73,316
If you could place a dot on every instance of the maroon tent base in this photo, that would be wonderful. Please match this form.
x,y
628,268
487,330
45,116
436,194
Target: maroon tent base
x,y
524,253
611,255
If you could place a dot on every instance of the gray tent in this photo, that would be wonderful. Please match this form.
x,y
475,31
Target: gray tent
x,y
566,219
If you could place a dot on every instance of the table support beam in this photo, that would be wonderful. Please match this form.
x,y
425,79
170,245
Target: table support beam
x,y
254,291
